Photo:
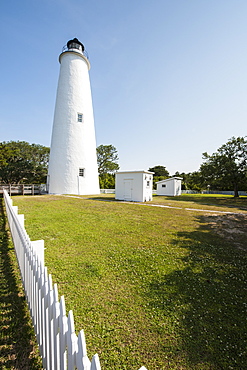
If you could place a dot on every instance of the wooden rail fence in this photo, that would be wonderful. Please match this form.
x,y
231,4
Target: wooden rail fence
x,y
23,189
59,346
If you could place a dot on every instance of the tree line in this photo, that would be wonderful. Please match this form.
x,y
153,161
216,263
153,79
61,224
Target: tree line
x,y
23,163
226,169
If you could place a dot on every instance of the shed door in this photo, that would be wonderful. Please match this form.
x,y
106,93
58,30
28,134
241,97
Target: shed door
x,y
128,189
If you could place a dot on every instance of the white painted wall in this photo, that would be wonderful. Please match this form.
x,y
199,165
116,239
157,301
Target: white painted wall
x,y
169,187
134,186
73,143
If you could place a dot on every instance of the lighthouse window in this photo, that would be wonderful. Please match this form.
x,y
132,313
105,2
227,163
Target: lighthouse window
x,y
80,117
81,171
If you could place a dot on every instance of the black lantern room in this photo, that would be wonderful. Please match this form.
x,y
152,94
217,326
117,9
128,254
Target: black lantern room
x,y
75,44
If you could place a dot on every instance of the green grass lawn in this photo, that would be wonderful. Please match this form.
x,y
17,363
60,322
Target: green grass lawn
x,y
160,287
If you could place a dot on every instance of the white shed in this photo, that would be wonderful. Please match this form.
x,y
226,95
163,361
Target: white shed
x,y
169,187
134,186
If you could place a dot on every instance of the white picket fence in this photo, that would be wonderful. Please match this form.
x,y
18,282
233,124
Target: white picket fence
x,y
59,346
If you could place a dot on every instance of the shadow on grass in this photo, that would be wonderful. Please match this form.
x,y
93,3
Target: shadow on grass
x,y
204,200
106,198
208,297
212,200
18,349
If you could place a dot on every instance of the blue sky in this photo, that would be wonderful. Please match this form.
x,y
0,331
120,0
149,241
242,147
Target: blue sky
x,y
168,77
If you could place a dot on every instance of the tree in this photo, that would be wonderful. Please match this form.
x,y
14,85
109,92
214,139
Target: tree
x,y
107,181
107,158
21,162
194,181
227,168
160,173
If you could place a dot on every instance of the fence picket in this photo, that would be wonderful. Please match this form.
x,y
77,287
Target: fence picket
x,y
63,332
82,361
36,299
56,311
42,290
40,302
71,342
46,318
59,346
50,324
32,286
95,364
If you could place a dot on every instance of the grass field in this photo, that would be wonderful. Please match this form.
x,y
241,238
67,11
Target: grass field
x,y
163,287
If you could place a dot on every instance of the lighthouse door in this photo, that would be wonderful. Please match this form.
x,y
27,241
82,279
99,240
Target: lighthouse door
x,y
128,189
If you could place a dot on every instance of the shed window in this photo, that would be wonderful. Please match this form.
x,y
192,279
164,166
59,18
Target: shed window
x,y
80,117
81,171
163,185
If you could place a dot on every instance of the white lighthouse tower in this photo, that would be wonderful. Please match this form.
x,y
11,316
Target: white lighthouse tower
x,y
73,161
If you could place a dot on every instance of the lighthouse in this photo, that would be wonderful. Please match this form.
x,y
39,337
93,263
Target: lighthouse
x,y
73,160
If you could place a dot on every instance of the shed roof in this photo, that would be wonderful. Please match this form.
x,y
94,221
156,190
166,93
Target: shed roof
x,y
139,171
170,179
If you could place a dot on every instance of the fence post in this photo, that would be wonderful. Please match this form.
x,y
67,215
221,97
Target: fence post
x,y
39,248
21,220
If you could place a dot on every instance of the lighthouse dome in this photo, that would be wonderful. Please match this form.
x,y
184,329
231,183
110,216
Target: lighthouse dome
x,y
75,44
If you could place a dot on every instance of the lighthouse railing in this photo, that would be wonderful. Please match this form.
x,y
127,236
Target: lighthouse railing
x,y
60,348
84,52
